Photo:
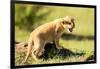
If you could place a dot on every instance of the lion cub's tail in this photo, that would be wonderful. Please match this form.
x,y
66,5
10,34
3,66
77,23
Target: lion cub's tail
x,y
30,43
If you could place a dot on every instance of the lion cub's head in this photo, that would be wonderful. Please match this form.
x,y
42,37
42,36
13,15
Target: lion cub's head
x,y
68,23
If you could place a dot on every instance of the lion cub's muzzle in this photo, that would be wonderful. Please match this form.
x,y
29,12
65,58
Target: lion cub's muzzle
x,y
70,30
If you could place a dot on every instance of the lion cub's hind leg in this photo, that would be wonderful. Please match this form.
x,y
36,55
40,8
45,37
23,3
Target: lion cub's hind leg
x,y
38,49
34,54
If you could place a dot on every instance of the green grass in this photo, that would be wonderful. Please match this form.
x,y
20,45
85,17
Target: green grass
x,y
86,46
84,26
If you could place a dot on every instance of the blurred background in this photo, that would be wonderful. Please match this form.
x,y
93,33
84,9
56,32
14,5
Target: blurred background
x,y
28,17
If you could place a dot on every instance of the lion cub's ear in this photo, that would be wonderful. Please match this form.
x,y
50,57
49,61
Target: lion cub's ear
x,y
72,19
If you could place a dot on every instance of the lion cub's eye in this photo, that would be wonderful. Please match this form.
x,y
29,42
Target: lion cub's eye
x,y
63,22
69,23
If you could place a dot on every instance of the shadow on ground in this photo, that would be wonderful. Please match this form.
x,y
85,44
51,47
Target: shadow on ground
x,y
51,51
76,37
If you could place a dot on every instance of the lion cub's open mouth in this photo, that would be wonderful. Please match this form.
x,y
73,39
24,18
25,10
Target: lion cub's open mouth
x,y
70,30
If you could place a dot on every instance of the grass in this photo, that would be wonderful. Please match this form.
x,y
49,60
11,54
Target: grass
x,y
86,46
81,40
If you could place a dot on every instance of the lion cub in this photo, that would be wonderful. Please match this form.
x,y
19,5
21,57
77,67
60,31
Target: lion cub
x,y
47,33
